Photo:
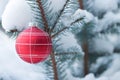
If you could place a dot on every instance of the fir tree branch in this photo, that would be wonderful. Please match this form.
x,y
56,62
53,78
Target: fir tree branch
x,y
81,4
67,56
54,65
46,28
52,55
61,12
54,35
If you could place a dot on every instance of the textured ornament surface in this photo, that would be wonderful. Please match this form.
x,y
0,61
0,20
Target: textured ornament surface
x,y
33,45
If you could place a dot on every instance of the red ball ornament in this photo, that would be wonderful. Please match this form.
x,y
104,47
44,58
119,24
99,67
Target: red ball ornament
x,y
33,45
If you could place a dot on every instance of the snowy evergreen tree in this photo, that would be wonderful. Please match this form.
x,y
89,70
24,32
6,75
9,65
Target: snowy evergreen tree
x,y
85,36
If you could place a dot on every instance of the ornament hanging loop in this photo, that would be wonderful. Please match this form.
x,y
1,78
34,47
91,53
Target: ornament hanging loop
x,y
33,24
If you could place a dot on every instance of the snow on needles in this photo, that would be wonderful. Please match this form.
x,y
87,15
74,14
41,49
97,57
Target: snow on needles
x,y
84,15
2,6
17,15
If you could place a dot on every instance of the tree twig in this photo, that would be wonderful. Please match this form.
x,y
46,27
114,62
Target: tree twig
x,y
54,66
46,28
58,17
52,55
54,35
85,47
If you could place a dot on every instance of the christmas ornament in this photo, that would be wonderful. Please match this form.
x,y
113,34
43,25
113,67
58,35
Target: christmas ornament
x,y
33,45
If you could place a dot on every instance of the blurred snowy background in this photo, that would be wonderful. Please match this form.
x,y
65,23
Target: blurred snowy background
x,y
102,22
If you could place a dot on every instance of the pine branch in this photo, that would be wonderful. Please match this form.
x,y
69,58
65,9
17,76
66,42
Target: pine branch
x,y
46,28
81,4
54,65
67,56
61,12
54,35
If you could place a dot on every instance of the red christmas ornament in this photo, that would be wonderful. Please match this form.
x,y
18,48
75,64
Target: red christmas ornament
x,y
33,45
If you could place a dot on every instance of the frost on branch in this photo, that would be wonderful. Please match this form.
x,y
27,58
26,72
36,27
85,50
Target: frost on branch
x,y
17,15
79,15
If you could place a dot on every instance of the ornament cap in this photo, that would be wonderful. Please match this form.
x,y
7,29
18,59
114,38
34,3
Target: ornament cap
x,y
33,24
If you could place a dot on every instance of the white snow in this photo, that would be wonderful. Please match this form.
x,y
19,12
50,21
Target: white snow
x,y
104,78
17,15
116,76
2,6
89,77
70,76
113,38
